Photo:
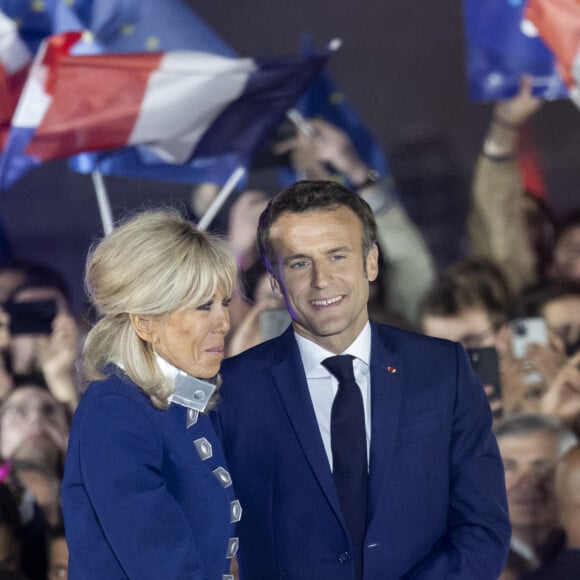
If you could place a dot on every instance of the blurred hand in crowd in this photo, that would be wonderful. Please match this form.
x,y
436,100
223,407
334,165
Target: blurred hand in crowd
x,y
508,115
242,226
249,332
312,152
562,397
526,380
57,356
522,106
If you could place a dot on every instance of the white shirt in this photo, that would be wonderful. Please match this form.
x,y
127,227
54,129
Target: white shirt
x,y
323,386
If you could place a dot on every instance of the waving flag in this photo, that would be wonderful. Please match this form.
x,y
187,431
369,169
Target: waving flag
x,y
15,58
183,104
324,100
558,22
119,26
503,45
150,25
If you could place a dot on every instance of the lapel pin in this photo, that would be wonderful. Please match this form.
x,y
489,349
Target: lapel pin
x,y
392,370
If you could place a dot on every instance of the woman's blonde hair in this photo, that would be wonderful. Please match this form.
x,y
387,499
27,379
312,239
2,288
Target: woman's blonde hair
x,y
153,264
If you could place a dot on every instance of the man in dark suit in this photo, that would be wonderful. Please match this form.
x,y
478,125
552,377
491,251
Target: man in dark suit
x,y
379,464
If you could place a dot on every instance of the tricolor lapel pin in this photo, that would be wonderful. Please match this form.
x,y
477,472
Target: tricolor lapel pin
x,y
392,370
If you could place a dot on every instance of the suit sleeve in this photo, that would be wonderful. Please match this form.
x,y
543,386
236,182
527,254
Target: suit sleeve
x,y
477,540
121,462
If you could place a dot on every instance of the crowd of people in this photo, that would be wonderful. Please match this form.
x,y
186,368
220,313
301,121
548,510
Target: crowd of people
x,y
512,301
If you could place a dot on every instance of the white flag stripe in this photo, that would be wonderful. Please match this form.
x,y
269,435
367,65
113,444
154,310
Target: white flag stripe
x,y
34,101
184,97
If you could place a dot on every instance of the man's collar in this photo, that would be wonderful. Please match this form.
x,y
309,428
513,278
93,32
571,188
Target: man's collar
x,y
313,354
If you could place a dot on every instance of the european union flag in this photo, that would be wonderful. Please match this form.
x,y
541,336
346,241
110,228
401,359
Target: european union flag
x,y
502,46
37,19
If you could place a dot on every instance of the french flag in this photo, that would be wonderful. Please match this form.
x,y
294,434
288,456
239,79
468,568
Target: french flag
x,y
15,58
181,103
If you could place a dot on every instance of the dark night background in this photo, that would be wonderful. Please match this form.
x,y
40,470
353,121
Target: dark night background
x,y
401,65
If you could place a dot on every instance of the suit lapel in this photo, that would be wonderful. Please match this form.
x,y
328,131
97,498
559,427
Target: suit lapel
x,y
387,375
290,381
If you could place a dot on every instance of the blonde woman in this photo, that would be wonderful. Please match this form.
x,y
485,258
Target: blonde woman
x,y
146,491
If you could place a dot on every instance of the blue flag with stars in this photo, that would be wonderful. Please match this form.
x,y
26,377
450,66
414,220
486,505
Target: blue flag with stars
x,y
502,45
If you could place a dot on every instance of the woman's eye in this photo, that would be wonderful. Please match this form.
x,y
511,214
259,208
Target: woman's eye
x,y
206,306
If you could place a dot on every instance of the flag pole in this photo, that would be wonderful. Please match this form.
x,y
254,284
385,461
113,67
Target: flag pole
x,y
300,122
103,202
296,116
220,198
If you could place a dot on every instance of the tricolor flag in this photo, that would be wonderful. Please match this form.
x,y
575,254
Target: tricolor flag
x,y
120,26
182,104
15,57
144,26
558,22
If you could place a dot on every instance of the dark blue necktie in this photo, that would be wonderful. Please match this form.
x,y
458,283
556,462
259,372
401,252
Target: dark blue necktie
x,y
349,452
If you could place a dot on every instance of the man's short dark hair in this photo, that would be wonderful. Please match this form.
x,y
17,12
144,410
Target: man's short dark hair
x,y
532,301
305,196
470,283
529,424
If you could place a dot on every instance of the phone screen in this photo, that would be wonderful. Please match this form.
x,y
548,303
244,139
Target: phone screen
x,y
485,363
31,317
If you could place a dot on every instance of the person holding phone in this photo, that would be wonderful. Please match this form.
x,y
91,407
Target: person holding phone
x,y
44,334
146,491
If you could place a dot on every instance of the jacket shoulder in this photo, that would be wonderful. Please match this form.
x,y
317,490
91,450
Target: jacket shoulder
x,y
408,339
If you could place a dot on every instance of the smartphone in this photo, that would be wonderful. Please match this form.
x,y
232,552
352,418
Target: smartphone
x,y
485,363
273,322
526,331
33,317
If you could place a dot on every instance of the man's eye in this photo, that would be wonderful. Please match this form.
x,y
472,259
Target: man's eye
x,y
337,257
298,265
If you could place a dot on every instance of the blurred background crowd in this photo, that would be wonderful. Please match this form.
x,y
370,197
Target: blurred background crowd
x,y
469,252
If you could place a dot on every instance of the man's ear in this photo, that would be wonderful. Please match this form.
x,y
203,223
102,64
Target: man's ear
x,y
275,285
143,326
372,263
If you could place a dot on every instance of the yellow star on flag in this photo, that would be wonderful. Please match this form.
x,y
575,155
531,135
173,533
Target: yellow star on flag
x,y
38,6
152,43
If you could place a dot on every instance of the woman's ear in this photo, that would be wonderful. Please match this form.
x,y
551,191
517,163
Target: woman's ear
x,y
143,327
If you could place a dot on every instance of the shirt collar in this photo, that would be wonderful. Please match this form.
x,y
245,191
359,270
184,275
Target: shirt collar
x,y
313,354
187,391
168,370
